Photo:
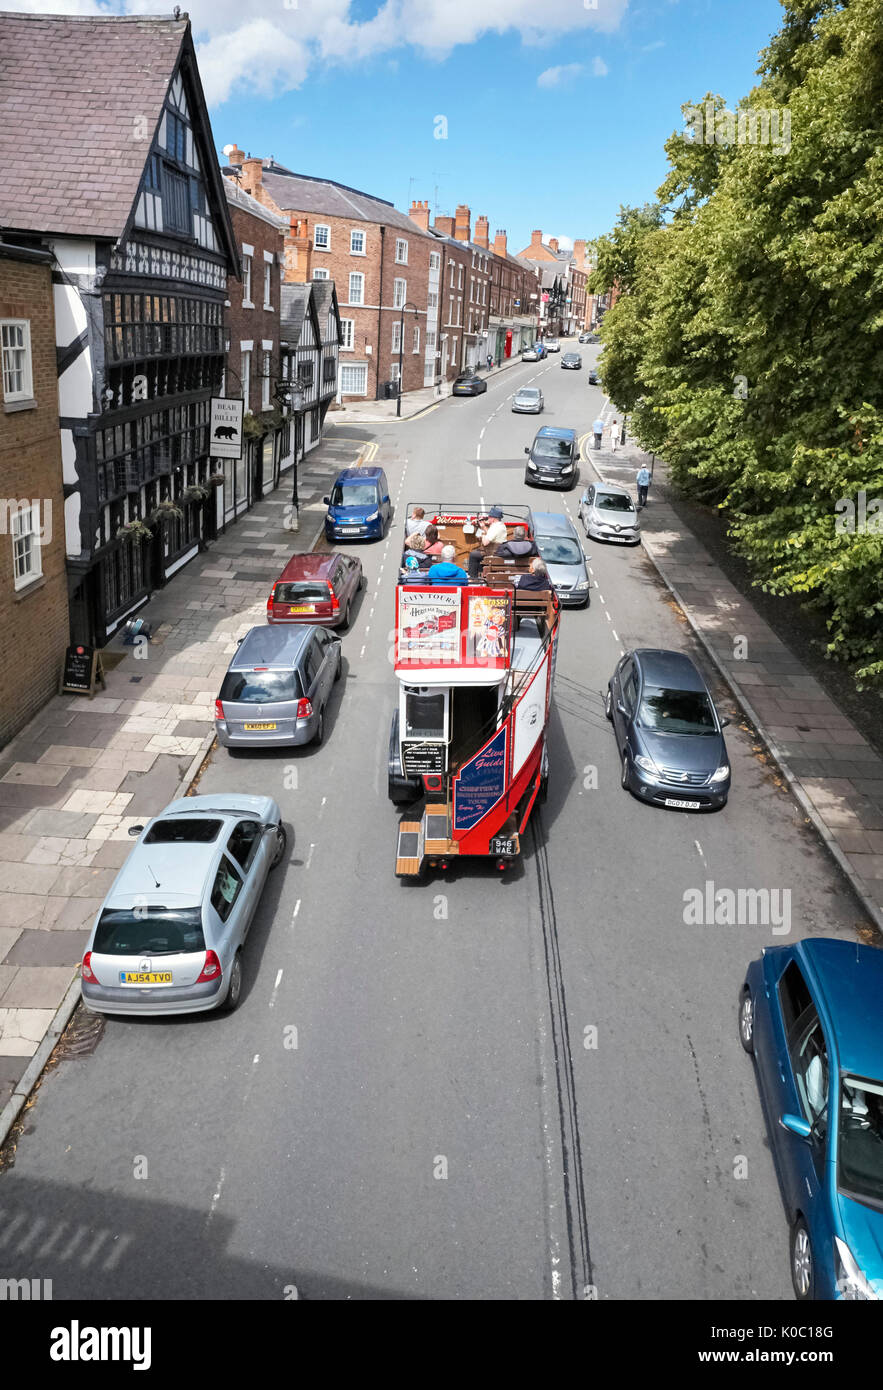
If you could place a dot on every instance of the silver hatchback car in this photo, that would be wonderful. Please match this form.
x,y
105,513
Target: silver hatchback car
x,y
168,937
277,686
608,513
528,400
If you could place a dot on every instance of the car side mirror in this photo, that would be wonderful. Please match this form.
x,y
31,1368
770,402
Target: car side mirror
x,y
135,831
724,722
796,1124
326,501
621,707
526,449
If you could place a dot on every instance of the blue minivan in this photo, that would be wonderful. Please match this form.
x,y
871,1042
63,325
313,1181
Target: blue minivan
x,y
811,1015
358,505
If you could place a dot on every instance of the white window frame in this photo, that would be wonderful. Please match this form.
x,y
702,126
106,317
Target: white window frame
x,y
432,300
321,227
397,336
401,251
347,334
434,260
10,328
460,279
349,369
416,347
399,293
247,258
266,363
357,232
321,273
25,531
360,277
245,376
268,284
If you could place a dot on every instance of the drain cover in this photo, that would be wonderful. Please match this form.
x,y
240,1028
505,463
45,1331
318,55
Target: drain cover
x,y
81,1036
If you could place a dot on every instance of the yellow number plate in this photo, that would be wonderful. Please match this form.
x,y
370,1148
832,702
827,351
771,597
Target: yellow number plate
x,y
303,608
258,726
145,977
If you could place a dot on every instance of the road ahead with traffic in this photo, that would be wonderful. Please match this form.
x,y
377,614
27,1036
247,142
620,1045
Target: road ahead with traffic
x,y
478,1087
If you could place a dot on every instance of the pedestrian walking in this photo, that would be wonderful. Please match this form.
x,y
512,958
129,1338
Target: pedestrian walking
x,y
490,361
614,436
598,431
643,482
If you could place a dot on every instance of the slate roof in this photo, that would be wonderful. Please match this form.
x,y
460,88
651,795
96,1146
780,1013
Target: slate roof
x,y
72,93
293,310
301,193
240,199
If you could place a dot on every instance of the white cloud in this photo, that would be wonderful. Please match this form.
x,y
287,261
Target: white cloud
x,y
565,243
554,77
652,47
599,67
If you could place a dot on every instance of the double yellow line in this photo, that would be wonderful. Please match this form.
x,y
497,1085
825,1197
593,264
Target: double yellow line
x,y
367,454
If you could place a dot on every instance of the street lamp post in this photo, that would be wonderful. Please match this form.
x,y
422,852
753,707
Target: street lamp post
x,y
290,395
407,305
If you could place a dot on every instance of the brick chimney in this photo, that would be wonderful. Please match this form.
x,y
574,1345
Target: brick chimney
x,y
445,225
579,253
461,230
251,176
536,241
420,214
500,243
553,242
298,251
481,234
235,157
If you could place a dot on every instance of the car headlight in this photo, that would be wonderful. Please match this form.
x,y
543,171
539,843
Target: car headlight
x,y
721,774
373,517
851,1283
567,468
647,764
583,584
531,465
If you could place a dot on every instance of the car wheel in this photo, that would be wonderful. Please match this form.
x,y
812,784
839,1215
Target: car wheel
x,y
608,704
802,1268
234,989
320,728
624,776
281,845
345,620
746,1021
363,580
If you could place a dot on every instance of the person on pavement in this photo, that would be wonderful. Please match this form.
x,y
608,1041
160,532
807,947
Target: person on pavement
x,y
518,546
643,483
446,571
538,578
490,362
614,436
598,432
416,522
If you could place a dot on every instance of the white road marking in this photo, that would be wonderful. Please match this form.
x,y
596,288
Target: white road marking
x,y
367,629
296,910
275,988
481,434
371,614
217,1197
310,857
701,855
255,1059
614,631
362,652
478,451
607,615
602,598
478,476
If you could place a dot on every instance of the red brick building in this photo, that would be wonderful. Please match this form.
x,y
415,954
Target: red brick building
x,y
378,259
33,582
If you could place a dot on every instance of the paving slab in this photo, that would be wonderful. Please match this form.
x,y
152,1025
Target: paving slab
x,y
39,948
23,1029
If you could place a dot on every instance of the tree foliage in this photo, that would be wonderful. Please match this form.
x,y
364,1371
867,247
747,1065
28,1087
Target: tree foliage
x,y
747,343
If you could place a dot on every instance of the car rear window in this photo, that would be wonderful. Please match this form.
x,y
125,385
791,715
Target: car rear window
x,y
559,550
261,687
152,931
529,393
192,830
313,589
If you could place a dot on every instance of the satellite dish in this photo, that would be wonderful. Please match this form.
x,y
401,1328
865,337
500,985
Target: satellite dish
x,y
228,149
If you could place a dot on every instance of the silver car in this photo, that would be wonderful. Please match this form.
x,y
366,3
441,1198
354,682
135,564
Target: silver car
x,y
528,400
562,554
277,686
530,354
552,345
168,937
608,513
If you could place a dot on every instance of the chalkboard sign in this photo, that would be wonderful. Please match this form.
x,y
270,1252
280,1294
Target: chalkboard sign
x,y
82,670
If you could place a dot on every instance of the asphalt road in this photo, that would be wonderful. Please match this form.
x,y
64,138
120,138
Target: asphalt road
x,y
501,1088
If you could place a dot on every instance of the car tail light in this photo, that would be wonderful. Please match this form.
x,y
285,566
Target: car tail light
x,y
304,709
211,969
335,602
219,710
272,599
86,970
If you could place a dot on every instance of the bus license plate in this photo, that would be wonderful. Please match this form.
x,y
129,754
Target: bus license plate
x,y
504,847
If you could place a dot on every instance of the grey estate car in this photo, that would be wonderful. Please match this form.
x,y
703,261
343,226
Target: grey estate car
x,y
277,686
562,554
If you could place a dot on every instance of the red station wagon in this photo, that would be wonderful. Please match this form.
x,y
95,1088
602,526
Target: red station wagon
x,y
316,589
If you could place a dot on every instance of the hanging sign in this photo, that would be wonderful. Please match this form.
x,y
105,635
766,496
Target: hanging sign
x,y
225,431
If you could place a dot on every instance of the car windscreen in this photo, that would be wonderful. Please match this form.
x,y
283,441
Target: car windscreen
x,y
860,1144
314,590
614,502
150,931
194,830
676,711
354,495
559,550
558,449
528,393
261,687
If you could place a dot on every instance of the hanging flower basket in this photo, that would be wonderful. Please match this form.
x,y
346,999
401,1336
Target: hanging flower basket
x,y
215,479
136,530
164,511
197,493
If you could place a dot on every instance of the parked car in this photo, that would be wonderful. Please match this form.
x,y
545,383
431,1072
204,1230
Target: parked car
x,y
572,360
585,337
168,937
530,354
561,552
552,459
811,1015
608,513
277,686
528,400
551,345
540,348
668,731
469,384
594,379
316,588
593,338
358,505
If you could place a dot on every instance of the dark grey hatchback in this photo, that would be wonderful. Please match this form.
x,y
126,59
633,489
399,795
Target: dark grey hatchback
x,y
668,731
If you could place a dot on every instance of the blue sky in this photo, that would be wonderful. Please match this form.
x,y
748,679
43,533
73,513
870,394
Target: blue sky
x,y
351,89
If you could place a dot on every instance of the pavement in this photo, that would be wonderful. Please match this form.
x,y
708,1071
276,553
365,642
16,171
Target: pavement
x,y
414,403
832,770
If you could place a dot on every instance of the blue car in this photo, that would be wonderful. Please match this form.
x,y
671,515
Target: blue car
x,y
811,1015
358,505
